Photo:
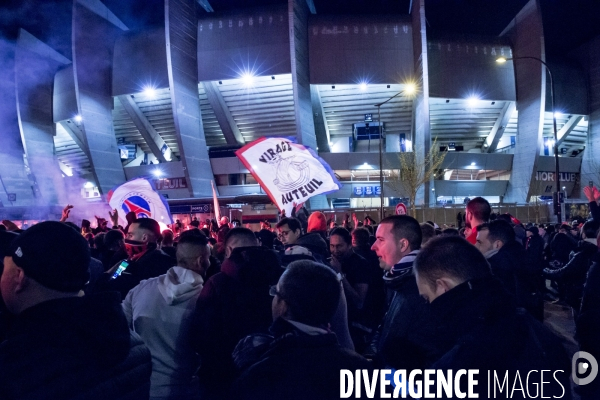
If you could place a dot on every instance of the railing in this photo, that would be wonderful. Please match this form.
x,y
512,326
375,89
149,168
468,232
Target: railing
x,y
506,150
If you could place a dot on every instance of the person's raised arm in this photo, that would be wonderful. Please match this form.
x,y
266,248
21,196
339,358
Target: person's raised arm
x,y
65,213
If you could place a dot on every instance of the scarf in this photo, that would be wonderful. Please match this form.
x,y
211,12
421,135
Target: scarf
x,y
403,267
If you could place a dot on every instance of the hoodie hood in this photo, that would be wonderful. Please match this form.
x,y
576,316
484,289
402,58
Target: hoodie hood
x,y
253,265
179,284
314,242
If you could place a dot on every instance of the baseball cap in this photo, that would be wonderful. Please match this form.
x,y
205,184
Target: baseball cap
x,y
54,255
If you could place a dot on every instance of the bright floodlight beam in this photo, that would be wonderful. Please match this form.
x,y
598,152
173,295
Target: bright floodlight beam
x,y
78,118
149,92
248,78
473,100
363,86
502,60
157,173
410,88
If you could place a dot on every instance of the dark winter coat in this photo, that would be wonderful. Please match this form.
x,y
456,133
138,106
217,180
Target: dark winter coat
x,y
483,329
316,244
588,324
234,303
295,365
153,263
406,338
519,277
74,348
574,273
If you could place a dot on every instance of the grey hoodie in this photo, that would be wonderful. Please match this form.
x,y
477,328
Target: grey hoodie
x,y
159,310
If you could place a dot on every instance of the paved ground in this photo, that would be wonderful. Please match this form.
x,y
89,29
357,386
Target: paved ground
x,y
559,318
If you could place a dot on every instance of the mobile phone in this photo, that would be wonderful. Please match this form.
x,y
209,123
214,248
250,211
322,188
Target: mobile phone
x,y
591,184
122,267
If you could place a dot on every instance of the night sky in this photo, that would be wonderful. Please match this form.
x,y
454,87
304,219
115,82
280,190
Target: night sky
x,y
567,23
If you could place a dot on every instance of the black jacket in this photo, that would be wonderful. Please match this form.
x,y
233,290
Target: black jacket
x,y
483,329
574,273
316,244
74,348
295,365
406,337
519,277
234,303
588,324
153,263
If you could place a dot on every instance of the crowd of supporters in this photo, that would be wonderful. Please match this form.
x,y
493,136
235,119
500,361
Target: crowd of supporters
x,y
214,310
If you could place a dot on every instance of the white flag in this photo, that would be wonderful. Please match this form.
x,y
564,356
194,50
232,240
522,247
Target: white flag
x,y
140,197
288,172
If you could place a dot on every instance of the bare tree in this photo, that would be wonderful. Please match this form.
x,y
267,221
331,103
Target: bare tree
x,y
413,172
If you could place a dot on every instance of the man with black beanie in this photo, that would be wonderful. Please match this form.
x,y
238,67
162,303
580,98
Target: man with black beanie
x,y
63,344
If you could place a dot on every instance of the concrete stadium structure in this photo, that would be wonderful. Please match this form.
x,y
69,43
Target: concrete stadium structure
x,y
174,102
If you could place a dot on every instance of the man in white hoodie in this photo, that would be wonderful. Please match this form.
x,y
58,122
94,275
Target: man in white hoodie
x,y
159,310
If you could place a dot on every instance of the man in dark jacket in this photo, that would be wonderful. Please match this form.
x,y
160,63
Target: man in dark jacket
x,y
405,339
508,262
534,247
588,324
572,276
63,344
482,328
233,304
144,257
302,360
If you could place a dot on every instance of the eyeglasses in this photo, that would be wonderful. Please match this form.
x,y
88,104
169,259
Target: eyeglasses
x,y
274,292
283,233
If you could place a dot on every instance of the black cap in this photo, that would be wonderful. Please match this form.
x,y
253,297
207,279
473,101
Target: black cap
x,y
54,255
534,230
6,238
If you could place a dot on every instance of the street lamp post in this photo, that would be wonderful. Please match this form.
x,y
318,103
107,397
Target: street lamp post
x,y
409,89
556,164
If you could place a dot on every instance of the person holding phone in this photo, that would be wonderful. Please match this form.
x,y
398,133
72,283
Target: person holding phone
x,y
145,260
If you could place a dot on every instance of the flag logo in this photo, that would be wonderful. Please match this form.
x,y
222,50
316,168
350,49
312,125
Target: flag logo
x,y
139,196
136,203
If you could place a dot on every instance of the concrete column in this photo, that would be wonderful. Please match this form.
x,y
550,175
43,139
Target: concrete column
x,y
12,168
181,30
421,131
590,166
35,66
94,37
305,125
527,37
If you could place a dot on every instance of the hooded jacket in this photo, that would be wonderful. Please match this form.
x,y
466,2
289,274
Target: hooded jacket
x,y
159,310
315,243
74,348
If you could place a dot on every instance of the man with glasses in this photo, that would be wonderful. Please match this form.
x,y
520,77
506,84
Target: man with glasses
x,y
302,360
290,234
288,231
